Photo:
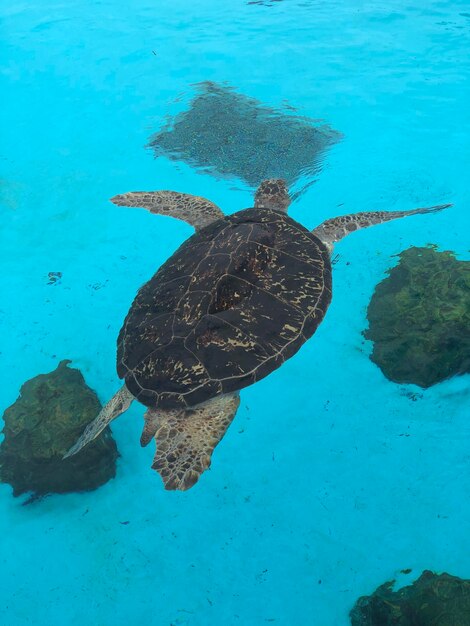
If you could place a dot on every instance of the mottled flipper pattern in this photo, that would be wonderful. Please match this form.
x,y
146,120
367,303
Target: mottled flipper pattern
x,y
119,403
186,439
152,419
334,229
194,210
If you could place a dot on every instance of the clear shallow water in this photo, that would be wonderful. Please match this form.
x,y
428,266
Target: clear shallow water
x,y
313,482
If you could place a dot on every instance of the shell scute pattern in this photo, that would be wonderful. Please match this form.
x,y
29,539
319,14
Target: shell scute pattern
x,y
292,280
234,233
212,265
231,305
263,318
225,349
172,370
293,241
150,319
183,265
192,305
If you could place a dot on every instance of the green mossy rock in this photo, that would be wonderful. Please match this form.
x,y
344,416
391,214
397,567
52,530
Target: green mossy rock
x,y
419,318
43,423
432,600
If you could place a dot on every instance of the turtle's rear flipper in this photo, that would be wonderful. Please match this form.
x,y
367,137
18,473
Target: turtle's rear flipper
x,y
338,227
194,210
186,439
119,403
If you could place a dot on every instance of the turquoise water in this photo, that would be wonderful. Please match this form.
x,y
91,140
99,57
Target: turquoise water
x,y
314,497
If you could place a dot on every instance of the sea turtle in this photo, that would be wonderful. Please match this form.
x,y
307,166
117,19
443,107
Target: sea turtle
x,y
236,300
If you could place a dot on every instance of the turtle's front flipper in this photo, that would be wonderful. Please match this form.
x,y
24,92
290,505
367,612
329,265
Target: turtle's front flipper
x,y
186,439
194,210
338,227
119,403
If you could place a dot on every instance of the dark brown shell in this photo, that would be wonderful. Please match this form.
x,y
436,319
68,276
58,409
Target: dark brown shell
x,y
234,302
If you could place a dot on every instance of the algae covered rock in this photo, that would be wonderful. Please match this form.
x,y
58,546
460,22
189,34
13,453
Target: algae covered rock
x,y
48,417
419,318
432,600
226,133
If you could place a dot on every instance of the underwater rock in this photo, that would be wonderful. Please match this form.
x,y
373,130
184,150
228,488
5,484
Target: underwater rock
x,y
48,417
419,318
440,600
228,134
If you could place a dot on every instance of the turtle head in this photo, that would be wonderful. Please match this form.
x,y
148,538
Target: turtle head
x,y
272,194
